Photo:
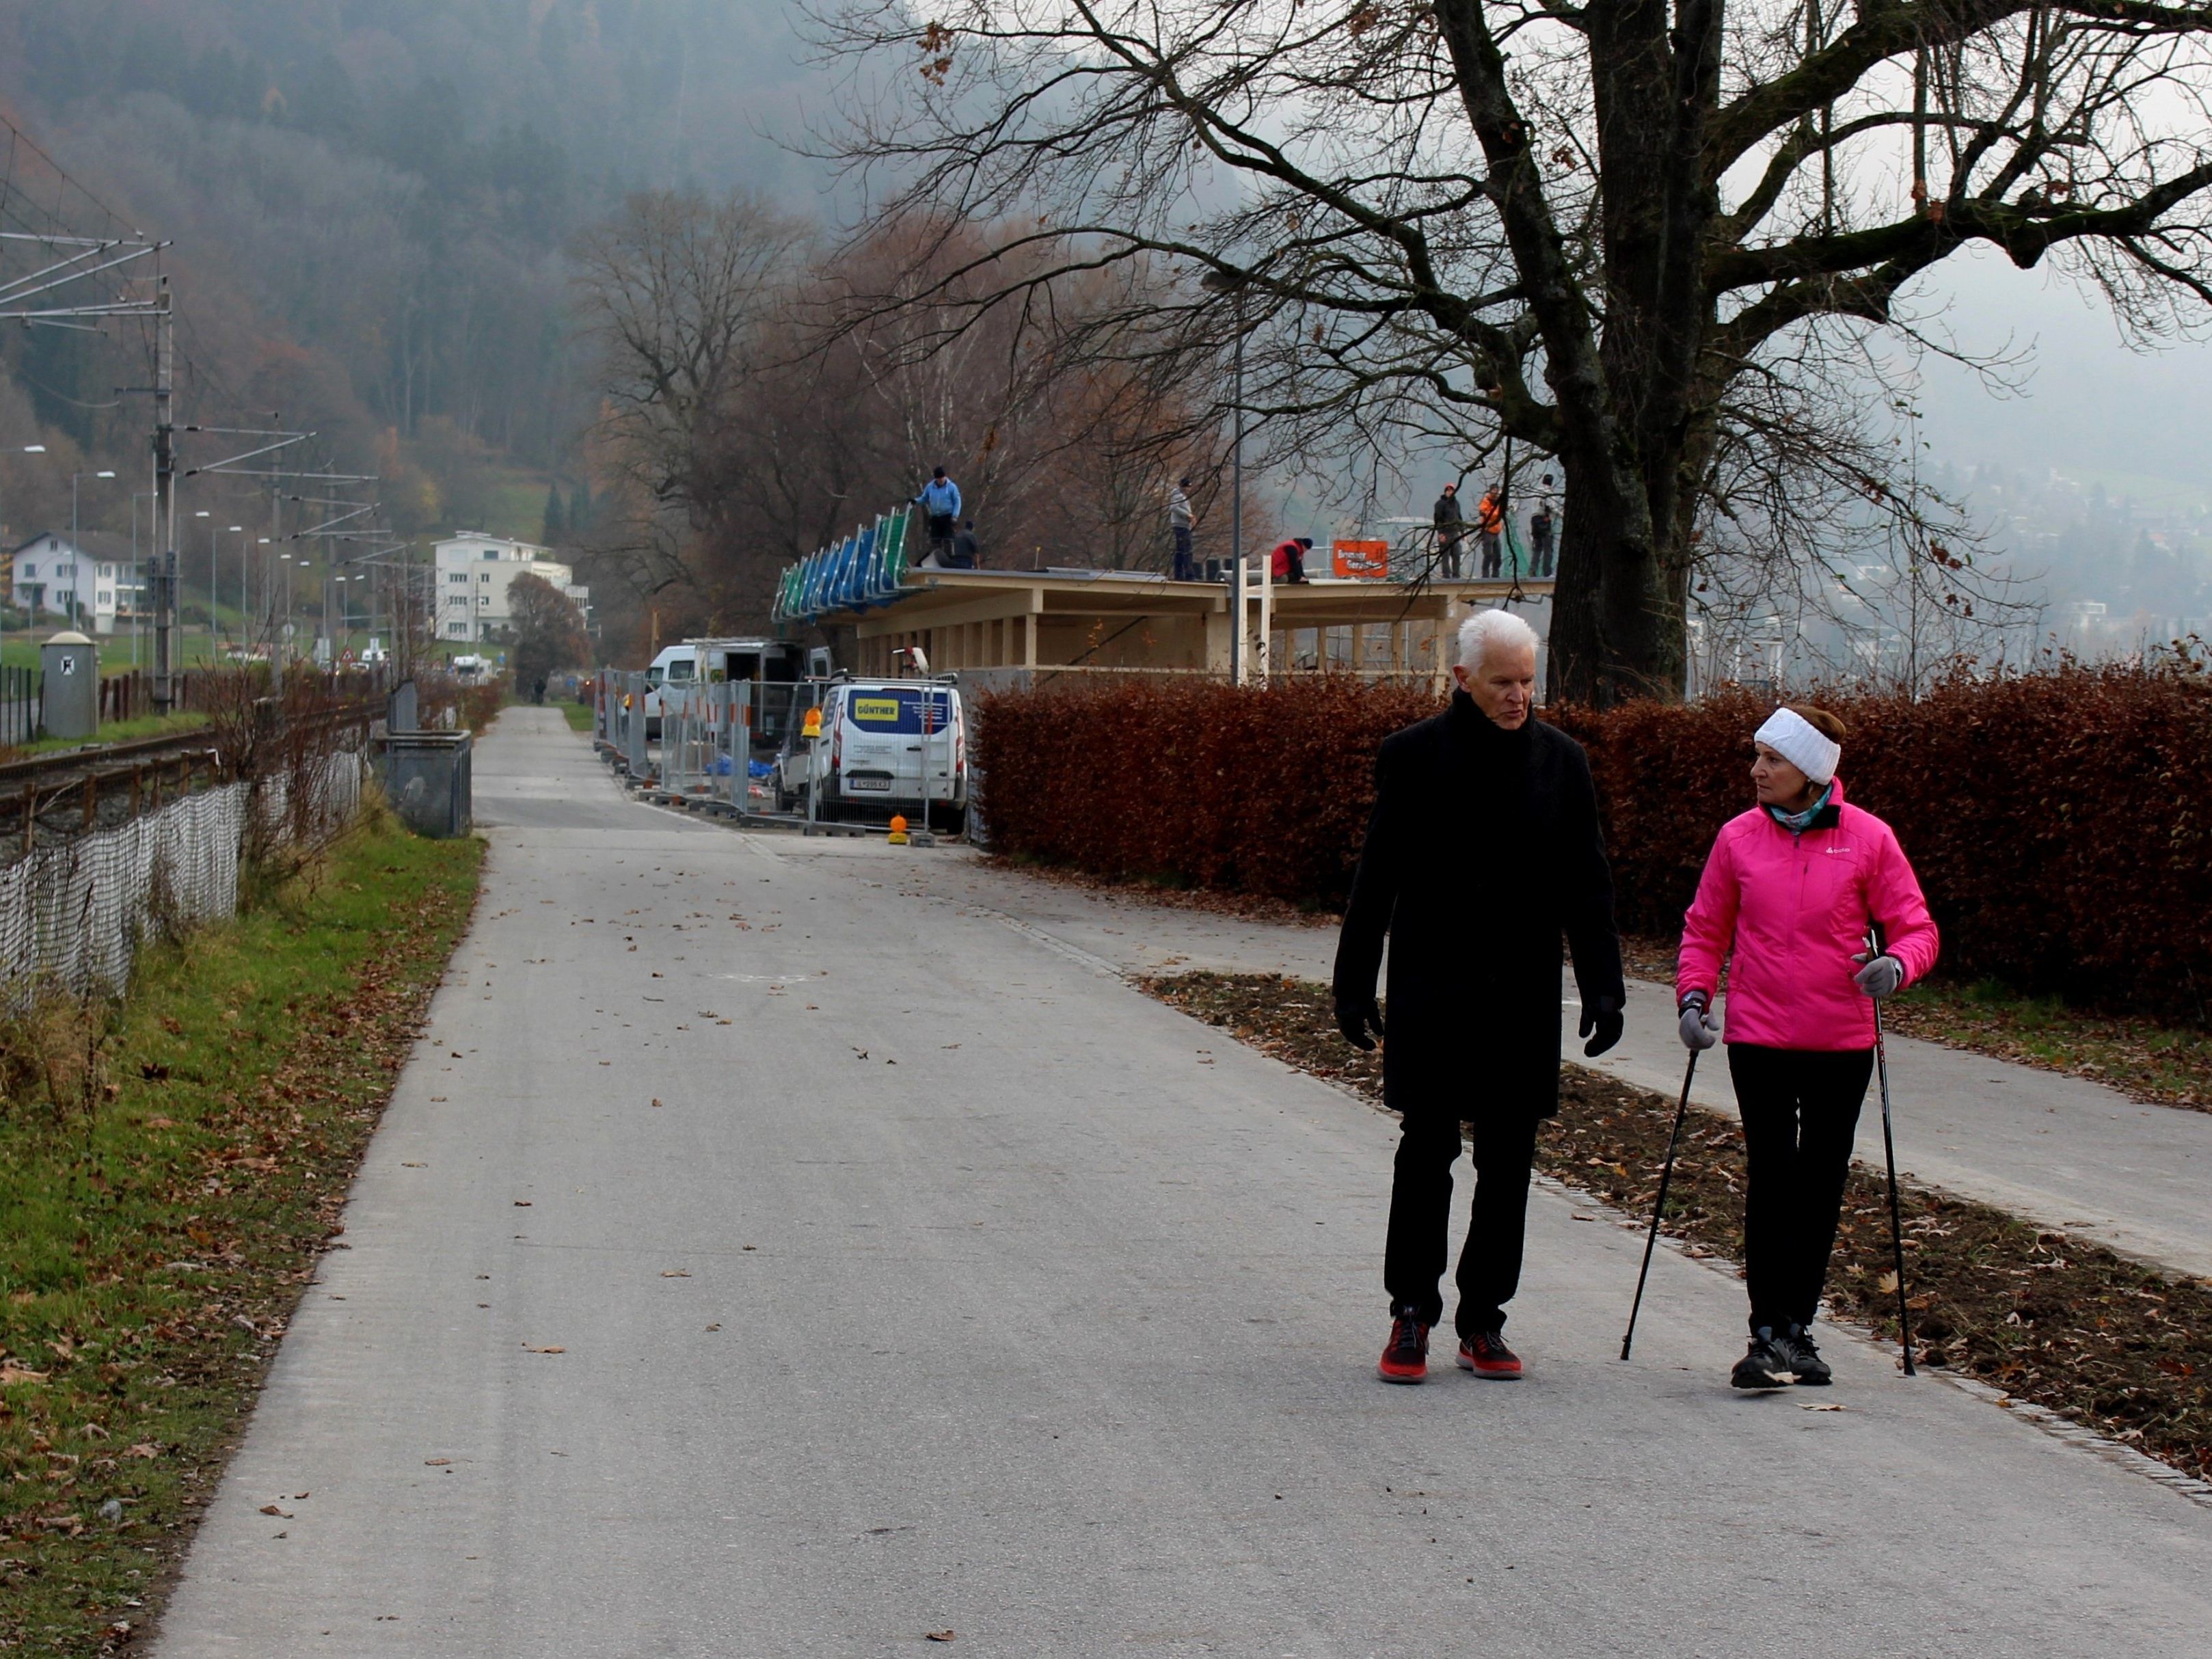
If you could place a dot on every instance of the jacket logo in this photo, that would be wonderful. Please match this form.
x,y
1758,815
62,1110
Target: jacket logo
x,y
1832,851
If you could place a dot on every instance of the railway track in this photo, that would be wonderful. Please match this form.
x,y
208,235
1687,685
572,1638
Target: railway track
x,y
49,797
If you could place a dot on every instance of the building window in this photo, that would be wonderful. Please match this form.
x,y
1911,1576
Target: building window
x,y
458,576
30,571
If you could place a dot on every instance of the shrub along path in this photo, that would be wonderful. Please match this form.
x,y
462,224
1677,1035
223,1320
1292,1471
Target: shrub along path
x,y
153,1247
2049,1319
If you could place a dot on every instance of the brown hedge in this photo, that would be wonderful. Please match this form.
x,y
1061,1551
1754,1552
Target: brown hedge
x,y
2057,821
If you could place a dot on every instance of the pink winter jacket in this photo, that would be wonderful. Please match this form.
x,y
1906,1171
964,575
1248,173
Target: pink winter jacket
x,y
1795,910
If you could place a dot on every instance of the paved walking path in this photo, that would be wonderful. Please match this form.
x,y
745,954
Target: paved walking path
x,y
2061,1150
953,1285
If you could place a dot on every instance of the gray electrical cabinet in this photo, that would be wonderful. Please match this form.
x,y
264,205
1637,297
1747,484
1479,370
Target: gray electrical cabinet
x,y
426,778
68,700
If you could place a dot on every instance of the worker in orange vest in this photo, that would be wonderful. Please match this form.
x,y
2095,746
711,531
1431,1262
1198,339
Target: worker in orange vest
x,y
1490,526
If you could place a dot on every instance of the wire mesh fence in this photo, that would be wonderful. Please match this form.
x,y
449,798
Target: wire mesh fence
x,y
74,916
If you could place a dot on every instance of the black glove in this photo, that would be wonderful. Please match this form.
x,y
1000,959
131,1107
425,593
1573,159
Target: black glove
x,y
1603,1016
1356,1019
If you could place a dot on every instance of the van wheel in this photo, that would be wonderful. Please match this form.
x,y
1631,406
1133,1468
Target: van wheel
x,y
949,820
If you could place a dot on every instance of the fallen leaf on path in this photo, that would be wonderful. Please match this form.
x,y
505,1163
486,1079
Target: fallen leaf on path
x,y
280,1513
1886,1284
556,1348
523,1203
1824,1408
937,1635
716,1325
435,1462
674,1273
656,1100
405,1165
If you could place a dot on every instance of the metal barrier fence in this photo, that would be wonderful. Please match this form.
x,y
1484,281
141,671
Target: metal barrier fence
x,y
73,917
19,706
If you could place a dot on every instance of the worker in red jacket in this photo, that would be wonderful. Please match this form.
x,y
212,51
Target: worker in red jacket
x,y
1288,562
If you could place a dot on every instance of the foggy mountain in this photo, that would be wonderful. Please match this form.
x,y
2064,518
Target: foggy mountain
x,y
370,199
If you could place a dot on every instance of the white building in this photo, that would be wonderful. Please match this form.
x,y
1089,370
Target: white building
x,y
92,583
473,571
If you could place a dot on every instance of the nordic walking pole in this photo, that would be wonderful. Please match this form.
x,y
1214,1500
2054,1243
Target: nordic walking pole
x,y
1666,1174
1896,1228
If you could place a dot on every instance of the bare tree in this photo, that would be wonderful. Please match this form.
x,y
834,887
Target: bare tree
x,y
548,630
1603,230
676,292
760,403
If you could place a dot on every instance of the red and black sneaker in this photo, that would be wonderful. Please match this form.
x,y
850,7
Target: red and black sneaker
x,y
1486,1354
1406,1357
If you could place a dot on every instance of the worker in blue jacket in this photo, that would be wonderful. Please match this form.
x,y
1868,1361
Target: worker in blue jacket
x,y
940,501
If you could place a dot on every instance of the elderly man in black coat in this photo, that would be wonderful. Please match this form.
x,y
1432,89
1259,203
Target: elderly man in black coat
x,y
1483,849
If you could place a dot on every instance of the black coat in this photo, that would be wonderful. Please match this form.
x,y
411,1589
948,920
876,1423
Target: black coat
x,y
1484,847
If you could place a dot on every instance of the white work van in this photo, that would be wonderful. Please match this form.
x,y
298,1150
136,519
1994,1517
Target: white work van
x,y
887,747
764,662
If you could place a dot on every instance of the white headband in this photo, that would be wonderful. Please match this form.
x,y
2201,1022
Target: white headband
x,y
1798,741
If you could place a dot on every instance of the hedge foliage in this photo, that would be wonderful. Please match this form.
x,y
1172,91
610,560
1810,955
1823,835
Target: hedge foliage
x,y
2059,822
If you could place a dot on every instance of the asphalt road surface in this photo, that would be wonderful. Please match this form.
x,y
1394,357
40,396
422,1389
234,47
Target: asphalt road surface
x,y
760,1258
2060,1151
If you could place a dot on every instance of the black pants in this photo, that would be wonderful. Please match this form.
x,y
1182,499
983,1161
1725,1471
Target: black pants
x,y
1540,555
1420,1217
940,536
1493,555
1801,1109
1186,567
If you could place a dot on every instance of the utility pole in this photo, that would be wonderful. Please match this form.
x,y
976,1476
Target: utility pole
x,y
166,637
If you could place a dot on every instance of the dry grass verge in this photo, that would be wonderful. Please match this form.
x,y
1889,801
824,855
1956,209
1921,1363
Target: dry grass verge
x,y
2047,1318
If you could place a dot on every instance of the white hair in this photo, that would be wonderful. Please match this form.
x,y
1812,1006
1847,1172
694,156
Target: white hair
x,y
1489,630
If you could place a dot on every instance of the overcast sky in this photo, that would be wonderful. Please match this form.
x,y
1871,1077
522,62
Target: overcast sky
x,y
2092,407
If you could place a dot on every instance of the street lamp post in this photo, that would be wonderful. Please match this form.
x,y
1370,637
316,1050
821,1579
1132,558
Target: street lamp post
x,y
77,549
30,621
1221,281
202,514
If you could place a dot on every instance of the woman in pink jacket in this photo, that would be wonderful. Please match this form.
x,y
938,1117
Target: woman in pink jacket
x,y
1790,889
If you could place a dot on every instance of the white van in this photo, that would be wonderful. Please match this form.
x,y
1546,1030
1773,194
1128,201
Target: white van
x,y
712,662
887,747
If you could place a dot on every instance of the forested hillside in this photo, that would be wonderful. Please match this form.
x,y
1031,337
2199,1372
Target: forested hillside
x,y
372,202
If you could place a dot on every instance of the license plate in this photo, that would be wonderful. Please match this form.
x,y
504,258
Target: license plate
x,y
884,784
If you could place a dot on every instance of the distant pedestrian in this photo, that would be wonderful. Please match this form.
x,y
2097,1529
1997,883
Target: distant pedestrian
x,y
1490,527
1482,799
538,690
1287,563
939,502
1451,530
967,552
1180,524
1539,540
1790,889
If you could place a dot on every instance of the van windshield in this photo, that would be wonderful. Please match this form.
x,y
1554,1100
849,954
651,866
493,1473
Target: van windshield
x,y
893,709
680,670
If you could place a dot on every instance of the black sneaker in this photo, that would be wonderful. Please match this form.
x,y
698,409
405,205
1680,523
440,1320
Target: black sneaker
x,y
1406,1357
1796,1345
1486,1354
1765,1366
